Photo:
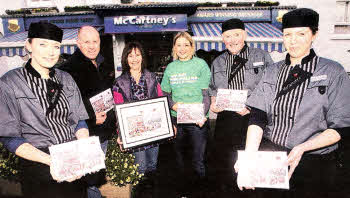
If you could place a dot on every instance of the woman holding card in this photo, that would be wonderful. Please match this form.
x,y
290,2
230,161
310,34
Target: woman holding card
x,y
137,83
41,106
186,80
301,106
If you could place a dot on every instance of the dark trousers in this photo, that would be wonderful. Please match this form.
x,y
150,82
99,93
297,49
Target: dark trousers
x,y
229,136
190,142
37,182
191,138
315,176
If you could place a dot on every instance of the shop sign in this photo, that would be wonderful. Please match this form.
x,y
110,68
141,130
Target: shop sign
x,y
223,15
12,26
145,23
68,21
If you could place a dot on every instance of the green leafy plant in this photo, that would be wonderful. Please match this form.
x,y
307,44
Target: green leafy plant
x,y
42,10
121,167
77,8
18,11
9,165
266,3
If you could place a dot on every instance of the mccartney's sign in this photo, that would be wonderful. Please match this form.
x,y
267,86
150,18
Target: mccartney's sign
x,y
145,23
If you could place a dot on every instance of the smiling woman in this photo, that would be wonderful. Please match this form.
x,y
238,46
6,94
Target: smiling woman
x,y
44,53
301,106
40,107
186,80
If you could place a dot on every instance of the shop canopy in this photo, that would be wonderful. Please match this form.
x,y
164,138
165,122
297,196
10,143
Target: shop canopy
x,y
14,44
260,35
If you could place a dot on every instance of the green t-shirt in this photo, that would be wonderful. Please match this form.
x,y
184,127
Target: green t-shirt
x,y
185,80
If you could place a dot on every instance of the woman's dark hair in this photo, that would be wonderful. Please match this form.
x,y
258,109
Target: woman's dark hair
x,y
314,30
129,47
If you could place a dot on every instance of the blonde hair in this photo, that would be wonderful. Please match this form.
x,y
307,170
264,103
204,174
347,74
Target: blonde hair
x,y
186,36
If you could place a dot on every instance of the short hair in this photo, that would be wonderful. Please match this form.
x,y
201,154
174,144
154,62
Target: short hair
x,y
314,30
129,47
186,36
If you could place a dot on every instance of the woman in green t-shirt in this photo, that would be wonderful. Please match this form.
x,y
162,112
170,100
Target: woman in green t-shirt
x,y
186,81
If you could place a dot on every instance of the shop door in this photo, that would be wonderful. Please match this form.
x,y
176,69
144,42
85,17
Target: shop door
x,y
158,47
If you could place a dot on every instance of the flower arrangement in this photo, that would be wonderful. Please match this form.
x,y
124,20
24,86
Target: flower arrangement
x,y
9,166
120,166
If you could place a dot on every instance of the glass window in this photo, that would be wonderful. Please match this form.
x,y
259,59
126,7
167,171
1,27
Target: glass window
x,y
343,11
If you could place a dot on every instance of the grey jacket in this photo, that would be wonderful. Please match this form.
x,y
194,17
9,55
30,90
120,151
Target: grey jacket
x,y
317,112
258,60
22,114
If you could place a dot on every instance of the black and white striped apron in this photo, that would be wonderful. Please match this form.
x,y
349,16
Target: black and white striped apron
x,y
285,106
58,118
235,69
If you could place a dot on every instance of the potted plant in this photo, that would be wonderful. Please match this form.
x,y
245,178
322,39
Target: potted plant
x,y
121,171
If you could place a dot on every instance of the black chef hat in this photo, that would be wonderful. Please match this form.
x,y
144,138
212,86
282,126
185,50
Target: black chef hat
x,y
45,30
232,24
302,17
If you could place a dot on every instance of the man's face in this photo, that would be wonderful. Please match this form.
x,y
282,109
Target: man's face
x,y
44,52
89,43
234,40
298,41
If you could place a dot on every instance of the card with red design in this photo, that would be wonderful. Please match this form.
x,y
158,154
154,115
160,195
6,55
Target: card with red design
x,y
263,169
76,158
231,100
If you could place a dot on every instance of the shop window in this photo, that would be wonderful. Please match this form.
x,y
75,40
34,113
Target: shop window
x,y
343,11
342,23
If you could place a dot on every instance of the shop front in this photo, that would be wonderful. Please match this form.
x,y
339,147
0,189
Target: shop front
x,y
154,26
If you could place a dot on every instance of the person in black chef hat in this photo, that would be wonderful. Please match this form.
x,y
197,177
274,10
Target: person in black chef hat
x,y
39,107
301,106
239,68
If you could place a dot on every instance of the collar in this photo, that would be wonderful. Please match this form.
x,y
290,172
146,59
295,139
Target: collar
x,y
35,73
99,58
306,59
244,48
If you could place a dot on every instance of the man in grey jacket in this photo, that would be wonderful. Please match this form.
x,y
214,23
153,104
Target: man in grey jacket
x,y
239,68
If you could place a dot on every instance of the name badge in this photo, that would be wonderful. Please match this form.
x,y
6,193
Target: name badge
x,y
258,64
318,78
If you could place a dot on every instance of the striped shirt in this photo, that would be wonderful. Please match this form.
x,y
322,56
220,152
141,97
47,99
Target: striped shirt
x,y
57,119
285,106
234,72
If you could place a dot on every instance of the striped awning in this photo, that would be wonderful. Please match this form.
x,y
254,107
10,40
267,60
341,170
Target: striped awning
x,y
260,35
14,44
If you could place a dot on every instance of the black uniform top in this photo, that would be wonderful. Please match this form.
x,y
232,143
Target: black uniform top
x,y
91,81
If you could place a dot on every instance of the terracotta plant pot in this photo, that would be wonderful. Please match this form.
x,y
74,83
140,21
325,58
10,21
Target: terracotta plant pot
x,y
111,191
